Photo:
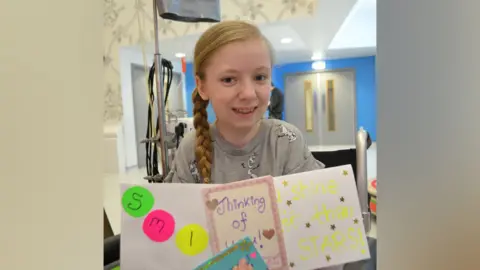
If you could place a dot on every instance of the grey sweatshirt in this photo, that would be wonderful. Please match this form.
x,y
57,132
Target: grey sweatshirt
x,y
278,149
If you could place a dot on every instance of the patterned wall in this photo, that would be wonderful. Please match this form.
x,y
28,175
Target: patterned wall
x,y
130,22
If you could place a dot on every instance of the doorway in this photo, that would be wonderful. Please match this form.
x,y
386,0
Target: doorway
x,y
322,106
140,105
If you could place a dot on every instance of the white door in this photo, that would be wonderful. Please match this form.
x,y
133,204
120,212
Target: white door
x,y
295,105
337,113
332,104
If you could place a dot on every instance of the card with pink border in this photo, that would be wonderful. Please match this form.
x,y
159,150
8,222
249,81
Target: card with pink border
x,y
246,209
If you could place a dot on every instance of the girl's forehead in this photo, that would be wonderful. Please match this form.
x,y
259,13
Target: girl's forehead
x,y
246,55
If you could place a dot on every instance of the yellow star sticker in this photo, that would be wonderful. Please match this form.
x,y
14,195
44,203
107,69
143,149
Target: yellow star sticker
x,y
289,202
292,264
285,183
308,225
328,258
355,221
345,172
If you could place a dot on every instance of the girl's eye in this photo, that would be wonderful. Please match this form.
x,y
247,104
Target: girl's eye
x,y
228,80
260,78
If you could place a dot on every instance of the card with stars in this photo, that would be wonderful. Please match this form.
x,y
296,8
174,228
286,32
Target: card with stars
x,y
321,218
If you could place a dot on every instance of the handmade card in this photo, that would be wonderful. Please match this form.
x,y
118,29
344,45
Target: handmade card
x,y
321,218
230,257
163,227
246,209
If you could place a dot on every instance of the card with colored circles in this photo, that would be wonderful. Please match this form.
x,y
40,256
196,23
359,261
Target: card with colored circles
x,y
163,227
230,257
242,209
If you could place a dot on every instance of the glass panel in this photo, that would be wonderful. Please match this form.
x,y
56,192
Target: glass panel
x,y
330,106
308,93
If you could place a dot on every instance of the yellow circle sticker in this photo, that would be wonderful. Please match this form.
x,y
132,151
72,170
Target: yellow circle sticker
x,y
192,239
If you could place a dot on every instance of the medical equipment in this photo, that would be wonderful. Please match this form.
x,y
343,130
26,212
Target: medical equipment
x,y
159,139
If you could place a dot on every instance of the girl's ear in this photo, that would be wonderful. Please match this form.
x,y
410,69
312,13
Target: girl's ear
x,y
201,88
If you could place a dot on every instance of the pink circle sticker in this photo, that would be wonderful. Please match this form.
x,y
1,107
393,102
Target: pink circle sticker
x,y
159,226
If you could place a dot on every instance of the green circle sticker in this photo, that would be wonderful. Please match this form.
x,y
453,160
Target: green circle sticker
x,y
137,201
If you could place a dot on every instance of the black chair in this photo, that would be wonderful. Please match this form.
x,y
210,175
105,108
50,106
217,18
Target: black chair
x,y
338,158
111,251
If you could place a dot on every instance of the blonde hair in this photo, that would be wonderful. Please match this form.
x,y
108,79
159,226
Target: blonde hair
x,y
211,40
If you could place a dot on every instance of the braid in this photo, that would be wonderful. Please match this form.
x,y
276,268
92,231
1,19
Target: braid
x,y
203,144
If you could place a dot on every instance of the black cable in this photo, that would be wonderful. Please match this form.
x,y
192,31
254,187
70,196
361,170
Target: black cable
x,y
151,157
167,73
149,163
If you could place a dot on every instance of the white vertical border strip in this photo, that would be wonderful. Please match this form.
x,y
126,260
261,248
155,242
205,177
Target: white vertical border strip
x,y
428,134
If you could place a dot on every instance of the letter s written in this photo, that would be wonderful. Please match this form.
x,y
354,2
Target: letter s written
x,y
138,199
308,245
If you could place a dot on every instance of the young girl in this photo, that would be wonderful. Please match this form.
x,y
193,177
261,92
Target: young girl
x,y
233,65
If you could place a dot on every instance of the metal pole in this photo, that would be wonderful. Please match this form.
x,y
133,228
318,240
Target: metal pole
x,y
162,132
362,182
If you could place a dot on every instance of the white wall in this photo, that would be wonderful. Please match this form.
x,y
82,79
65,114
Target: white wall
x,y
114,145
359,29
51,119
129,56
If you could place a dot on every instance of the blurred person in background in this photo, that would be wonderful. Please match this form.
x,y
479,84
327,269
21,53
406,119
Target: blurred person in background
x,y
275,106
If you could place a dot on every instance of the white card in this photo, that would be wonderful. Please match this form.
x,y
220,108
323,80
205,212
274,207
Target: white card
x,y
169,232
321,218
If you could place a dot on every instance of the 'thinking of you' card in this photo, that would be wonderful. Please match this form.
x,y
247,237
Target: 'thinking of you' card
x,y
246,209
230,257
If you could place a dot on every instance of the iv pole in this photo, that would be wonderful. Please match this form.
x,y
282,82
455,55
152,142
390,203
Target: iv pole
x,y
162,127
187,11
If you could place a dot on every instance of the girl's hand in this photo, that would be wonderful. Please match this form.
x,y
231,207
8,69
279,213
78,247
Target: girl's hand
x,y
243,265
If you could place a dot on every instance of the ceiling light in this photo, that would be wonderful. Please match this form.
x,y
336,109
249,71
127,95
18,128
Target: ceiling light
x,y
286,40
179,55
319,65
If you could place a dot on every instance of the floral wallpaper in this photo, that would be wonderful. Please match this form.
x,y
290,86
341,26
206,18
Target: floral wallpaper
x,y
130,22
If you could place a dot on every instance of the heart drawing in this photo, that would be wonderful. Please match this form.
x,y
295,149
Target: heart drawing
x,y
269,234
212,204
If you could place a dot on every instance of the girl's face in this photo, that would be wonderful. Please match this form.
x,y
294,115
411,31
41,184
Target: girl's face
x,y
237,82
